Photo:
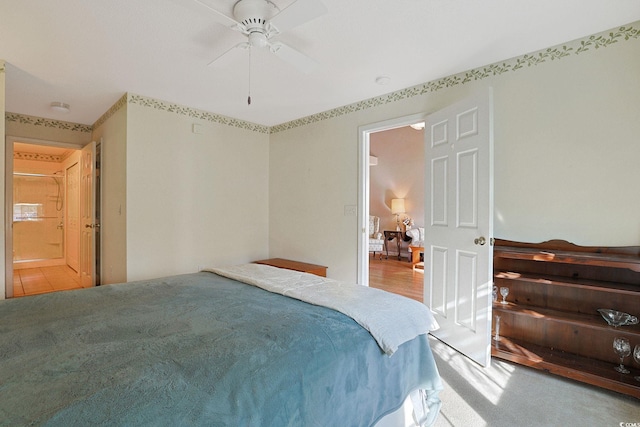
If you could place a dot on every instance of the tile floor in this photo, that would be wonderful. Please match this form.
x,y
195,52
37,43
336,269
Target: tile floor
x,y
32,281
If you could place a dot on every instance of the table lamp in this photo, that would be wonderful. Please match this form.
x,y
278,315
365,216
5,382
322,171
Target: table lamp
x,y
397,208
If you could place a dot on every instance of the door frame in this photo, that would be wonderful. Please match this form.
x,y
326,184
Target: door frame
x,y
8,199
364,134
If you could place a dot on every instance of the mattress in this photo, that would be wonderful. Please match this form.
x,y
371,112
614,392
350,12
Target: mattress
x,y
197,349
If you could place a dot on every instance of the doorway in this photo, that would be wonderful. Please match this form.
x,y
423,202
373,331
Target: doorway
x,y
43,199
396,195
383,204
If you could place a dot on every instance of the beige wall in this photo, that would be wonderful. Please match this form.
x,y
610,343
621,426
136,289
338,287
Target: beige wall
x,y
566,156
398,174
567,149
312,176
192,199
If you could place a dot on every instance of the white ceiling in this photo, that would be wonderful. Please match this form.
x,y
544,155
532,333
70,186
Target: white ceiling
x,y
87,53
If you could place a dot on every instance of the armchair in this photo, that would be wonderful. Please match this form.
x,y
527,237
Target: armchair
x,y
417,236
376,242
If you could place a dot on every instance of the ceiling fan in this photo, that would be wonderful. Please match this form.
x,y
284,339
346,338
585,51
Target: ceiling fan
x,y
260,20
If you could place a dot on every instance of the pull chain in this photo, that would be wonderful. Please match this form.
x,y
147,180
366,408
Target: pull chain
x,y
249,97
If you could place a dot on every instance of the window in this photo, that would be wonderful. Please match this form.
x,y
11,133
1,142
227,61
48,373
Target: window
x,y
27,212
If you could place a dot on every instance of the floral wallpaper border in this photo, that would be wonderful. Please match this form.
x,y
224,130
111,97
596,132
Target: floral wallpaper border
x,y
195,113
597,41
41,157
39,121
111,111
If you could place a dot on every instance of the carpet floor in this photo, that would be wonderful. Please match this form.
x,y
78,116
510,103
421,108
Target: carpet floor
x,y
511,395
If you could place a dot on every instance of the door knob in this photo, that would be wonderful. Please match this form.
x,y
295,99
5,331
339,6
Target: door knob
x,y
480,241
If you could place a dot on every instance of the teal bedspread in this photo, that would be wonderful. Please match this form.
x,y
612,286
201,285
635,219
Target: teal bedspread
x,y
196,349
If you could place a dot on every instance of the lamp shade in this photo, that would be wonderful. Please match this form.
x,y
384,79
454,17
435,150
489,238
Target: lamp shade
x,y
397,206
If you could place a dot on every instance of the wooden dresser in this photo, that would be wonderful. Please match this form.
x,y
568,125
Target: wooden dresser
x,y
318,270
551,320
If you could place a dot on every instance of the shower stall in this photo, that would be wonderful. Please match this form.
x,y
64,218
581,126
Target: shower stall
x,y
38,218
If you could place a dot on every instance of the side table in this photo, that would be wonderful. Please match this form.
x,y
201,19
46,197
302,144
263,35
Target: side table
x,y
415,258
394,234
318,270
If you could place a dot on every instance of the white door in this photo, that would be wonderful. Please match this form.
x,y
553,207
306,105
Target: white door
x,y
459,224
88,226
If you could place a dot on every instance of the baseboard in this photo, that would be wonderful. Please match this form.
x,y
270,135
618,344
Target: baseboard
x,y
21,265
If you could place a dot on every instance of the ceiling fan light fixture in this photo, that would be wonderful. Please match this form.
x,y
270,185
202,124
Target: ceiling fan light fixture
x,y
60,107
257,39
260,20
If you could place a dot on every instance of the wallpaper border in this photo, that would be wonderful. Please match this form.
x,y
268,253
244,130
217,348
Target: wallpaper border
x,y
40,157
576,47
195,113
111,111
48,123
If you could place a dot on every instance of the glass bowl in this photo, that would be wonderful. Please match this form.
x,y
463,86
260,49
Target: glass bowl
x,y
617,318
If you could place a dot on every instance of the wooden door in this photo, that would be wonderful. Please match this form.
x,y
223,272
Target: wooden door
x,y
72,218
459,224
88,225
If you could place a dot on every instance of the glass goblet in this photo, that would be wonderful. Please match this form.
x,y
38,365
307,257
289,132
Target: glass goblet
x,y
636,357
622,348
504,291
497,329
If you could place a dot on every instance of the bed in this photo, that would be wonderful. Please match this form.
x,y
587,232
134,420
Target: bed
x,y
209,349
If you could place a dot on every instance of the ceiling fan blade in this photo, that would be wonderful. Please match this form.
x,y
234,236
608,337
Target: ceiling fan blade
x,y
219,16
298,59
298,13
243,45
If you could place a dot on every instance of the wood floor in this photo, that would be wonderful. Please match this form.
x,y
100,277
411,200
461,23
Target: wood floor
x,y
32,281
397,277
